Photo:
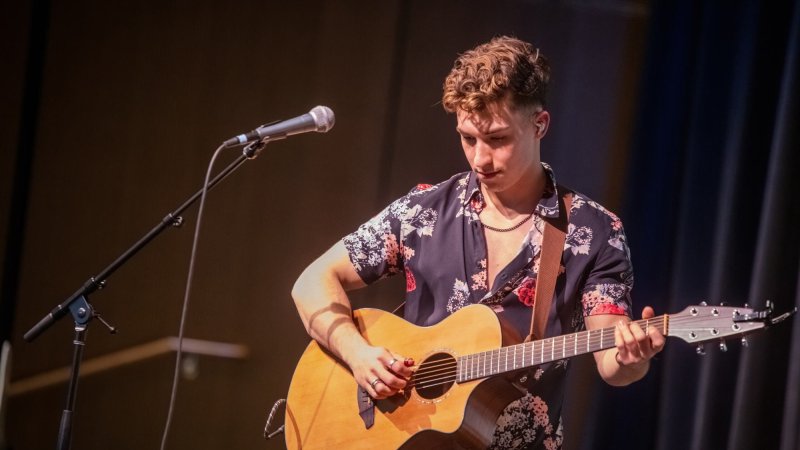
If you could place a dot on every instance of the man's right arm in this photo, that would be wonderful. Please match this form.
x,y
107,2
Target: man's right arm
x,y
321,299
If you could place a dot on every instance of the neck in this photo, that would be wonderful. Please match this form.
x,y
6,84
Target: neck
x,y
520,198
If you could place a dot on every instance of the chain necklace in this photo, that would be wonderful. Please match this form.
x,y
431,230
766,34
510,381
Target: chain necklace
x,y
513,227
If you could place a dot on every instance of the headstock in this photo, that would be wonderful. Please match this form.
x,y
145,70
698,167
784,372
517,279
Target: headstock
x,y
701,323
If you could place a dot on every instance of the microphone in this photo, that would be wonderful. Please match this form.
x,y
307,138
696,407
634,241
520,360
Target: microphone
x,y
320,119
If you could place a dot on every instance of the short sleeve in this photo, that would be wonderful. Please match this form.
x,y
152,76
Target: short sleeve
x,y
608,286
377,249
374,247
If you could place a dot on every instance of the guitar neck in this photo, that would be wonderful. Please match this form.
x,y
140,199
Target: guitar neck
x,y
529,354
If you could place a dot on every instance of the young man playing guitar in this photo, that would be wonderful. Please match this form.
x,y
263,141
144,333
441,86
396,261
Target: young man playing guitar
x,y
477,238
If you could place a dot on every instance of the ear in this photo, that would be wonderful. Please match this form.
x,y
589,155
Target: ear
x,y
541,121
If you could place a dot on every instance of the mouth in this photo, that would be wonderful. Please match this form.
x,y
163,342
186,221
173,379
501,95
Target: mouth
x,y
487,175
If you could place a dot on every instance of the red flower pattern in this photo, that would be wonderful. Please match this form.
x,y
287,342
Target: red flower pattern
x,y
527,291
411,282
607,308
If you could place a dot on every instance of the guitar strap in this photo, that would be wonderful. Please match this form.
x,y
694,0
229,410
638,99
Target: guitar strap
x,y
554,235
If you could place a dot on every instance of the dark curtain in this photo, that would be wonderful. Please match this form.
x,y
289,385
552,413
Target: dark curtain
x,y
712,214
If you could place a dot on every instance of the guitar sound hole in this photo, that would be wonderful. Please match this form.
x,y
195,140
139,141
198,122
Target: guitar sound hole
x,y
435,376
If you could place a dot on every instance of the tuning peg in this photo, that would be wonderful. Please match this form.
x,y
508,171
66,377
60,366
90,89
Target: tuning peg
x,y
723,303
723,347
745,342
703,303
701,350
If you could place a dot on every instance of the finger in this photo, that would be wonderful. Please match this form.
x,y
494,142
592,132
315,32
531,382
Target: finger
x,y
392,381
645,344
648,313
619,342
639,335
625,334
378,390
401,366
370,387
630,342
657,340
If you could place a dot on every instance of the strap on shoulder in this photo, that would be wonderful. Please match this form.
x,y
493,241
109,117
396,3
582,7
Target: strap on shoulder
x,y
555,233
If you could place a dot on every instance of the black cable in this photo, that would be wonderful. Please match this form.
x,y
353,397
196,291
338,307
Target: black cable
x,y
187,291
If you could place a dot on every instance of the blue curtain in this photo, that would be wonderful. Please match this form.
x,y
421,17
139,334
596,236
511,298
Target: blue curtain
x,y
712,213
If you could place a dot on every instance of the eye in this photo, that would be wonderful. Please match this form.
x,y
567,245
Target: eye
x,y
498,138
468,139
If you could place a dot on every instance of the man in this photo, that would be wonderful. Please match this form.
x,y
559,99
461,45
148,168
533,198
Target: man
x,y
476,238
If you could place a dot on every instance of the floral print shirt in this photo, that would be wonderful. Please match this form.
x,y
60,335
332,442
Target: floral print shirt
x,y
433,235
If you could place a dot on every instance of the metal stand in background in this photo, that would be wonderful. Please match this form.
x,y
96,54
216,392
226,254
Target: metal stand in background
x,y
82,311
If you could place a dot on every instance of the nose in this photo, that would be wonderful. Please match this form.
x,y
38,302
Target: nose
x,y
483,156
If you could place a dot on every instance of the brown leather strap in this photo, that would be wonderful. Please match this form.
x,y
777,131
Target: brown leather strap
x,y
555,232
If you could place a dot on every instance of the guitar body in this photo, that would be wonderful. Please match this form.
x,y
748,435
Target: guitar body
x,y
322,406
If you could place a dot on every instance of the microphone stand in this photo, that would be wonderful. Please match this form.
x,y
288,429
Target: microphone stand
x,y
82,311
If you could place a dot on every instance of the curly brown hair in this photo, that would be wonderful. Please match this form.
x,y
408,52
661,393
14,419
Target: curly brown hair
x,y
503,66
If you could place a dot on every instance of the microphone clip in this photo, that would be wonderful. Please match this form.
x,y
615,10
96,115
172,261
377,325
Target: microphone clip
x,y
253,149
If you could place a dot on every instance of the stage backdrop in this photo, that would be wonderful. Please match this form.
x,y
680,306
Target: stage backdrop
x,y
115,108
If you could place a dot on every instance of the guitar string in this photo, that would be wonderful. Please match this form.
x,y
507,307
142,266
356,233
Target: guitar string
x,y
563,342
494,353
581,337
434,370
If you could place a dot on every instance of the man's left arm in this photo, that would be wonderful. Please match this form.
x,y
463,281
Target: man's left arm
x,y
606,303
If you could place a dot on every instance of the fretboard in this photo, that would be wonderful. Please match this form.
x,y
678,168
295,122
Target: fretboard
x,y
529,354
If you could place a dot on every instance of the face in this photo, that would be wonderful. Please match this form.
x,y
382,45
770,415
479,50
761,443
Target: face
x,y
502,144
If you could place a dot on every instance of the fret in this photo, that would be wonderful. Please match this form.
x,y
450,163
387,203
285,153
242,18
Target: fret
x,y
575,341
552,349
499,357
564,346
524,347
602,332
514,366
474,366
541,358
588,338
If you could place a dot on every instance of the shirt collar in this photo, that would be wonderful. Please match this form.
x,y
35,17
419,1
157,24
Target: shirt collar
x,y
547,206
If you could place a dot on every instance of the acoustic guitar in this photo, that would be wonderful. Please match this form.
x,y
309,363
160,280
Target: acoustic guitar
x,y
458,389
